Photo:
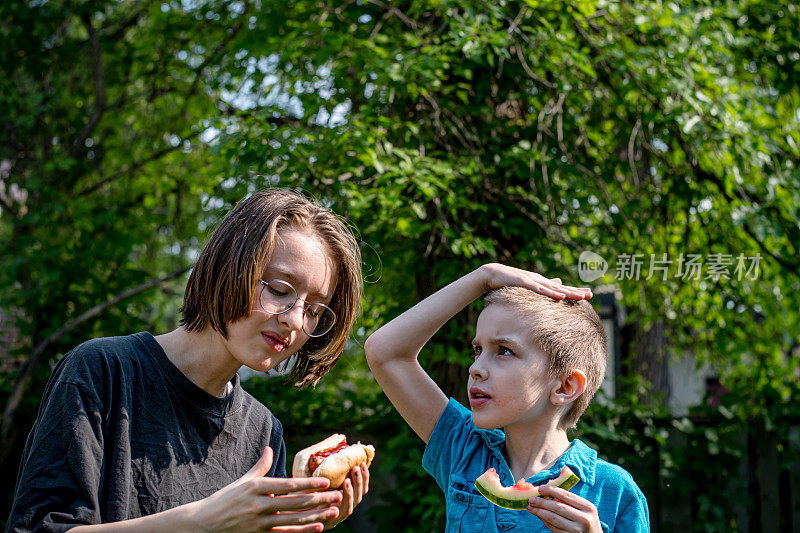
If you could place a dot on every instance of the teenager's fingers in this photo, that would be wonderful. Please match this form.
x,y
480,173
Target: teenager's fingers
x,y
576,295
262,466
559,292
565,515
552,528
307,528
554,289
273,485
349,497
572,287
577,291
365,475
308,500
280,486
300,518
557,507
357,482
547,524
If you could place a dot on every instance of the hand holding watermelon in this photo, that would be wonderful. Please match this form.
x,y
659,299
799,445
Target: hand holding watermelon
x,y
563,511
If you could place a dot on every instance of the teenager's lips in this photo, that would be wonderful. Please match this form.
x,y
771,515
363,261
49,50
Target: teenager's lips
x,y
275,341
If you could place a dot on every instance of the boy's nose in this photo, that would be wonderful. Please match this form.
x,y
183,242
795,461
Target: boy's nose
x,y
476,371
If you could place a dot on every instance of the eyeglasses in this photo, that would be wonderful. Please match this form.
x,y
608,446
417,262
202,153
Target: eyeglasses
x,y
278,296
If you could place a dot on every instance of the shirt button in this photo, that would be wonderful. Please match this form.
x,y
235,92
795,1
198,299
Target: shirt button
x,y
505,526
506,522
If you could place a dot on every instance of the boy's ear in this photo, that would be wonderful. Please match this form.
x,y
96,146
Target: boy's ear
x,y
569,389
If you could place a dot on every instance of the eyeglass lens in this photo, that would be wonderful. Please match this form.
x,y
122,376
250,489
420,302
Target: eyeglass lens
x,y
279,296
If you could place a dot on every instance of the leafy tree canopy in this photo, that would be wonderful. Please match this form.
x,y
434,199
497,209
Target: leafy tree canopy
x,y
450,133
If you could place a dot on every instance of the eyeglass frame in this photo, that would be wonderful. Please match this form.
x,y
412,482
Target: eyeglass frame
x,y
265,284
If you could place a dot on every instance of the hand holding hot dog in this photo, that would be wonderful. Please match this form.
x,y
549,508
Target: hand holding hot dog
x,y
353,490
331,458
258,503
346,466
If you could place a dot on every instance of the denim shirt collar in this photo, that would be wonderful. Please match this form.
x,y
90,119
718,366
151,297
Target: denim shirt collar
x,y
579,457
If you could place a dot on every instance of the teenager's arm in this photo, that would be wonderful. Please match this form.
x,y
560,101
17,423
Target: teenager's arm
x,y
392,350
253,503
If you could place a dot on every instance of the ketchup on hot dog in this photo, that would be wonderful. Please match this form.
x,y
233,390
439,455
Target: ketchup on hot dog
x,y
315,460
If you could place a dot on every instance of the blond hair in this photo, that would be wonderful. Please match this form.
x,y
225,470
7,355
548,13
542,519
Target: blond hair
x,y
223,282
570,334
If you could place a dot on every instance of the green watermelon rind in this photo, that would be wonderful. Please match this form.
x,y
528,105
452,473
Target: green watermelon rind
x,y
566,480
519,504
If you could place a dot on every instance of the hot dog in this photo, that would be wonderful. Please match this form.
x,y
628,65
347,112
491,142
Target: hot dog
x,y
331,458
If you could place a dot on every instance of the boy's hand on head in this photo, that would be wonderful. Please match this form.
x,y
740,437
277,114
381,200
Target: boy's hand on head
x,y
497,276
567,513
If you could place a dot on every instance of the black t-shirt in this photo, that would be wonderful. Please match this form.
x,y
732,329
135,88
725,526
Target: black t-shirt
x,y
122,433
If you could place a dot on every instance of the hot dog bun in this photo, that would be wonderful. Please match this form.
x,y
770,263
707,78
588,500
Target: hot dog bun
x,y
335,467
300,464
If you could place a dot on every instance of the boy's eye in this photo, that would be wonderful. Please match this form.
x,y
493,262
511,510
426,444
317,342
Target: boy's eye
x,y
502,350
476,351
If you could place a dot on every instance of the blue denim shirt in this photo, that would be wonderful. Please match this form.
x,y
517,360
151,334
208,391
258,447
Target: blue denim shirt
x,y
458,452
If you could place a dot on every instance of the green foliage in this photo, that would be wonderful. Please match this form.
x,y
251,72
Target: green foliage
x,y
450,133
103,110
527,132
349,401
703,460
696,462
107,177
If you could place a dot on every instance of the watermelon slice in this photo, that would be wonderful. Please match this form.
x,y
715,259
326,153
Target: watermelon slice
x,y
516,496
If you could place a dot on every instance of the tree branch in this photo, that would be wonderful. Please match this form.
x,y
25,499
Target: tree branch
x,y
116,33
221,46
713,178
7,206
99,87
399,14
603,72
25,372
528,70
133,167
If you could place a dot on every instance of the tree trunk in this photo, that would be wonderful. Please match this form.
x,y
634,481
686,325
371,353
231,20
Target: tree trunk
x,y
8,426
645,353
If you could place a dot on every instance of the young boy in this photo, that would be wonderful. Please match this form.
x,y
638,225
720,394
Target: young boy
x,y
538,360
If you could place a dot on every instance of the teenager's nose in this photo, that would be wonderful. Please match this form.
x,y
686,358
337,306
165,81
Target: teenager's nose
x,y
293,318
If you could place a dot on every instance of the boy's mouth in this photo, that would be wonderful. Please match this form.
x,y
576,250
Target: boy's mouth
x,y
477,397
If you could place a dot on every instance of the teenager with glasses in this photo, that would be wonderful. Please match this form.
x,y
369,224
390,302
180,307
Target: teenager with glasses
x,y
155,433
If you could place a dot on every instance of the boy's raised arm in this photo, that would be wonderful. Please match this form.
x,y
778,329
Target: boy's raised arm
x,y
392,350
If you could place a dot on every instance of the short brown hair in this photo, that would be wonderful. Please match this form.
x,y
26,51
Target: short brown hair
x,y
570,334
222,284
